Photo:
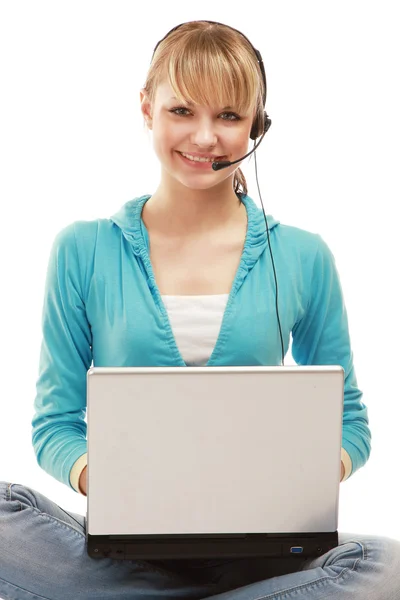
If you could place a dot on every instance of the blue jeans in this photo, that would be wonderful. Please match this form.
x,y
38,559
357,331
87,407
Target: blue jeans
x,y
43,557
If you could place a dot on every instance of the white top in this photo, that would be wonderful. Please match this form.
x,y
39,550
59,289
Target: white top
x,y
196,322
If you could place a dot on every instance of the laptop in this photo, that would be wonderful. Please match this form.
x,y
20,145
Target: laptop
x,y
213,462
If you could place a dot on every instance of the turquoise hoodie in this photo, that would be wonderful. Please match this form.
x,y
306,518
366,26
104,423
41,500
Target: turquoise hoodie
x,y
102,307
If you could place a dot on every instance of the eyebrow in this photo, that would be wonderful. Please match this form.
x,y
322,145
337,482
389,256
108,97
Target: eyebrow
x,y
192,104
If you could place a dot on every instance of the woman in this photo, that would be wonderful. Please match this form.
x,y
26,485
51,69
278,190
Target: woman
x,y
184,277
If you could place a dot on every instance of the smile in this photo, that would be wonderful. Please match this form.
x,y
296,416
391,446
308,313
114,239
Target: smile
x,y
198,158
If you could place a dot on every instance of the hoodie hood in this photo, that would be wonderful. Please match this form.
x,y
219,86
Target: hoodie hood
x,y
128,219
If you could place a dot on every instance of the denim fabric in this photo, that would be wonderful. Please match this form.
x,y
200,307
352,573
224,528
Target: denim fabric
x,y
43,557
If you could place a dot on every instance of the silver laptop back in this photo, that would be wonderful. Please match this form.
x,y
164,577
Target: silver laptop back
x,y
193,450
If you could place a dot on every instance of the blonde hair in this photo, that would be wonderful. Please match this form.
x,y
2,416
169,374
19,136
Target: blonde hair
x,y
196,56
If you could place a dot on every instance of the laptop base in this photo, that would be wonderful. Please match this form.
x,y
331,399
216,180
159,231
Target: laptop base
x,y
163,547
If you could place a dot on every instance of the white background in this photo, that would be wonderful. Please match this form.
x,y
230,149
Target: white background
x,y
72,147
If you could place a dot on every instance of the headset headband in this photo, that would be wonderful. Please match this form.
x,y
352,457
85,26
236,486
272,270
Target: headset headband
x,y
257,53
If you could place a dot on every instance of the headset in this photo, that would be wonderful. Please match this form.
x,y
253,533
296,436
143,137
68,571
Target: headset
x,y
261,124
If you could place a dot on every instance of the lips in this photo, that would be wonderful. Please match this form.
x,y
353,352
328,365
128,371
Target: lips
x,y
215,158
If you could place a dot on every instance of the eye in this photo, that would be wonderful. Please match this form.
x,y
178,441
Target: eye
x,y
178,108
173,110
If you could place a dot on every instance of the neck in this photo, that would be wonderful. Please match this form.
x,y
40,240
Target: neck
x,y
190,211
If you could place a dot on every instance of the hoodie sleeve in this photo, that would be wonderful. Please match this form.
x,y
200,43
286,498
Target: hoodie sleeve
x,y
58,425
321,337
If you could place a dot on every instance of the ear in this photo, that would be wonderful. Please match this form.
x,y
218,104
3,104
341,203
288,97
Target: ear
x,y
145,106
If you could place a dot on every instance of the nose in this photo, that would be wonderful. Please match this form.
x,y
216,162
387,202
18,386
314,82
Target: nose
x,y
204,134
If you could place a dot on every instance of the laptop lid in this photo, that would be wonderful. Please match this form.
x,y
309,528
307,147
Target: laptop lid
x,y
180,457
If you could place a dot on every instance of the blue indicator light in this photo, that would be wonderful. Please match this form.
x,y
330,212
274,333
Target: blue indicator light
x,y
296,549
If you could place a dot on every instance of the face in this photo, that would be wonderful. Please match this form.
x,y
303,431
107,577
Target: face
x,y
196,130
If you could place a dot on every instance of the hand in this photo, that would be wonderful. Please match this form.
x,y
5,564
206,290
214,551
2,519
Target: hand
x,y
83,481
83,478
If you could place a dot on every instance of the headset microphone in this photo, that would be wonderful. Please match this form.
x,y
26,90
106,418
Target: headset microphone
x,y
262,122
226,163
217,165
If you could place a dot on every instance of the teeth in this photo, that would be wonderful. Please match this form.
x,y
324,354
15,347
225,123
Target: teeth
x,y
197,158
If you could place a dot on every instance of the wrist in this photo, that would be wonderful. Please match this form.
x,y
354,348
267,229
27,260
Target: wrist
x,y
83,481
